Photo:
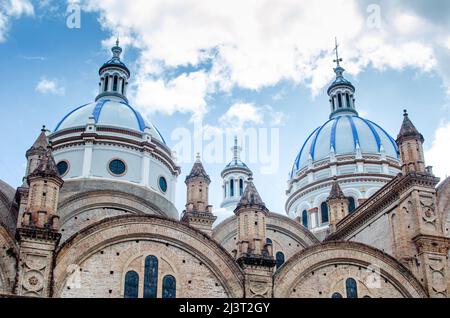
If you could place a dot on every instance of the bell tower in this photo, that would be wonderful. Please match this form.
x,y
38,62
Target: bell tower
x,y
410,144
253,253
338,205
38,232
198,212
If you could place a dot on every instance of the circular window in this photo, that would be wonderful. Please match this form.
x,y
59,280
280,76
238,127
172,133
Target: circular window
x,y
163,184
117,167
63,167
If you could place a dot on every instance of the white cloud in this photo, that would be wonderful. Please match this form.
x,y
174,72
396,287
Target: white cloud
x,y
12,9
240,114
439,152
258,43
46,86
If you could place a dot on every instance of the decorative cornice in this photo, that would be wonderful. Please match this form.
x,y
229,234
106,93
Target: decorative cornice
x,y
377,203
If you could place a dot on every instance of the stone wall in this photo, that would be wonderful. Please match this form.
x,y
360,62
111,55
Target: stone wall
x,y
95,261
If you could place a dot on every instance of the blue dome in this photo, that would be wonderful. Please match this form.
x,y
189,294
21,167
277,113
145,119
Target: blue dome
x,y
343,134
108,113
236,164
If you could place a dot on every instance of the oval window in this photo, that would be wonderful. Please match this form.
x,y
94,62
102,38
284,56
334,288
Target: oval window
x,y
163,184
62,167
117,167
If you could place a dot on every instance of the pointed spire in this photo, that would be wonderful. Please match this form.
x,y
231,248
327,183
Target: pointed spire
x,y
116,50
236,150
336,191
47,166
198,171
40,145
408,129
251,197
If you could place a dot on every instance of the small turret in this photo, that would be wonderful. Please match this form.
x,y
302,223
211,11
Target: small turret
x,y
198,212
410,144
337,205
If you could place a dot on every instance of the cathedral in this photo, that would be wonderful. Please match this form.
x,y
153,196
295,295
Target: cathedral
x,y
95,215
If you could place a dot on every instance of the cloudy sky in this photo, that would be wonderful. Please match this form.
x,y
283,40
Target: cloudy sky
x,y
231,65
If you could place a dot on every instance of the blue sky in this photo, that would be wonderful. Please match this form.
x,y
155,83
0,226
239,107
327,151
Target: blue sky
x,y
192,61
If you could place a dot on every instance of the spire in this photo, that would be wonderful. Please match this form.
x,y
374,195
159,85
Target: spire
x,y
198,171
336,191
47,166
236,150
408,129
41,144
251,197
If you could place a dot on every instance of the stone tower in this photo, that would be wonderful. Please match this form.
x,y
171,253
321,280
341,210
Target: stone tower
x,y
253,254
338,205
38,233
198,212
418,238
410,144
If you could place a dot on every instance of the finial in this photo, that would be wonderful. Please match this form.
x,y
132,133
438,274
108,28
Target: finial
x,y
44,129
117,41
337,60
236,149
117,50
198,157
405,112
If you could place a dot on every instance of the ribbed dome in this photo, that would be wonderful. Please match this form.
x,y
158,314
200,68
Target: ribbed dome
x,y
344,134
108,113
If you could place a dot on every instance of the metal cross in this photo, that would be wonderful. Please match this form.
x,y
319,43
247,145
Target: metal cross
x,y
337,60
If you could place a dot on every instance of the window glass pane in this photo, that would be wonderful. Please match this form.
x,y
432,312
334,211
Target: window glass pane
x,y
279,259
163,184
352,290
232,188
351,205
117,167
151,277
305,219
241,187
169,287
115,83
336,295
324,212
131,285
62,167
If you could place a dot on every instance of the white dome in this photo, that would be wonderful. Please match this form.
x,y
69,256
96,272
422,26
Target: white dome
x,y
344,134
108,112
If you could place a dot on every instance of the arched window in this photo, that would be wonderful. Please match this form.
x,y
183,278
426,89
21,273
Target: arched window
x,y
333,103
225,191
324,212
169,287
351,288
106,82
347,97
305,218
336,295
340,100
116,81
241,187
123,86
232,188
151,277
280,259
351,205
131,285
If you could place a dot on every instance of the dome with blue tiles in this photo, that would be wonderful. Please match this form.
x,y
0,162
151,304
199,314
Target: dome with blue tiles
x,y
345,135
106,112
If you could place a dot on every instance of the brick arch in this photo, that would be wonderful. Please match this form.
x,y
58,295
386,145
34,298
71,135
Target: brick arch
x,y
337,259
8,261
129,228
